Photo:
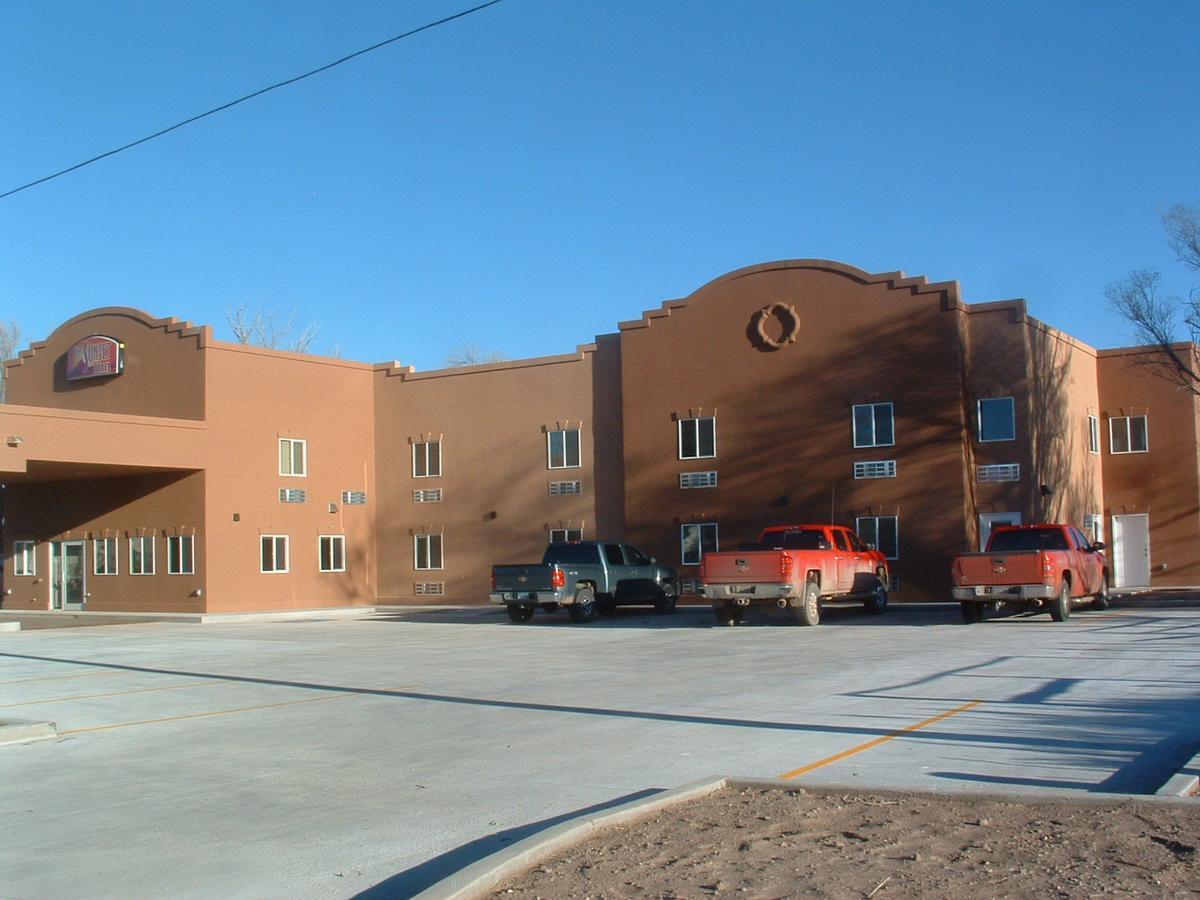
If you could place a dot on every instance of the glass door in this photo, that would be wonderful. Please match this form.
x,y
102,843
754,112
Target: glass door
x,y
67,575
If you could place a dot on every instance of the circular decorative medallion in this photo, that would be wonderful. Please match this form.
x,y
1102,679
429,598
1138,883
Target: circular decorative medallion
x,y
788,319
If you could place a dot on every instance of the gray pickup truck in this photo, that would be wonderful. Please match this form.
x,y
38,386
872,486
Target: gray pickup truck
x,y
585,577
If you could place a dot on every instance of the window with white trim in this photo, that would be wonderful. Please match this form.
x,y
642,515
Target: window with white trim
x,y
697,539
997,419
692,480
1093,526
427,551
332,552
141,555
1001,472
873,425
274,553
293,457
104,556
882,468
881,531
24,557
427,459
565,488
562,449
565,535
181,554
1093,434
433,495
429,588
1128,434
698,438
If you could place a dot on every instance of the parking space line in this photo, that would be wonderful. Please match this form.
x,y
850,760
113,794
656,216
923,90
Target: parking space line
x,y
204,715
165,687
803,770
58,677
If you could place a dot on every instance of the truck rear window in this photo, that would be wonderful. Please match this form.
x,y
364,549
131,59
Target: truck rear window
x,y
571,554
795,540
1013,541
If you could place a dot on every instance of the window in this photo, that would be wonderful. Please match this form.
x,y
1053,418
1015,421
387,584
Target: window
x,y
354,498
1093,434
427,551
565,535
565,488
698,438
141,555
429,588
181,554
873,425
689,480
292,495
293,457
24,558
997,420
882,531
883,468
104,556
274,553
427,459
1093,525
333,552
562,449
1128,434
1002,472
431,496
696,540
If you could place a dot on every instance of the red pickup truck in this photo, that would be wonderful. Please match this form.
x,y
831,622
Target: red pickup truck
x,y
1046,567
795,567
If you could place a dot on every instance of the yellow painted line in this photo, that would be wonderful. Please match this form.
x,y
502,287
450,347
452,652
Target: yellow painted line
x,y
166,687
61,677
837,757
205,715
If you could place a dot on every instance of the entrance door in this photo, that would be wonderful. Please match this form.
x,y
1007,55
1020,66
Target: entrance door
x,y
1131,551
67,582
987,521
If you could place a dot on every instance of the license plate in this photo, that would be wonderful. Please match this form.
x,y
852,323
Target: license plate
x,y
744,589
981,589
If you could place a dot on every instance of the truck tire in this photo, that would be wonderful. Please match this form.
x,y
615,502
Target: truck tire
x,y
809,610
520,613
1101,601
878,601
665,604
1060,606
972,612
584,607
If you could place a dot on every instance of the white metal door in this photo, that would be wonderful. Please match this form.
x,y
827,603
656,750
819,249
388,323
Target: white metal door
x,y
987,521
1131,550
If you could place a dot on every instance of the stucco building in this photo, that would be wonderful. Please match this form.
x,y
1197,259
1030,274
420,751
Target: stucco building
x,y
148,467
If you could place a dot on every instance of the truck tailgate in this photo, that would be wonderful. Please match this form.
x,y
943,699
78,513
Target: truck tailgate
x,y
1019,567
743,567
526,577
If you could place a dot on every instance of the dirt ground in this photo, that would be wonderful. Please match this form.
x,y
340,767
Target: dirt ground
x,y
771,843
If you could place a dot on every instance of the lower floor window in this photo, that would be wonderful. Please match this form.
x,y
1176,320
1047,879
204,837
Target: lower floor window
x,y
333,553
24,558
565,535
881,531
274,553
696,540
104,556
141,555
181,554
427,551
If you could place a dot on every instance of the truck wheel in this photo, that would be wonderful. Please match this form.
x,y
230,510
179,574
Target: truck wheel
x,y
1100,601
809,610
877,602
972,612
665,604
520,613
1060,606
584,607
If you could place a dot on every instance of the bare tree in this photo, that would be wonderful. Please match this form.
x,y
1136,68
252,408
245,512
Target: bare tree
x,y
1156,319
472,355
10,339
270,328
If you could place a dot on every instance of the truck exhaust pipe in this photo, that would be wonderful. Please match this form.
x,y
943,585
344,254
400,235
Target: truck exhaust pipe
x,y
782,603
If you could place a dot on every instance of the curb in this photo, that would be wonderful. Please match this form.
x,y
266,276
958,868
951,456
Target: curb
x,y
491,871
22,731
1184,783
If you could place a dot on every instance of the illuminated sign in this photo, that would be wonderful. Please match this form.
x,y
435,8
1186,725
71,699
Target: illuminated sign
x,y
95,357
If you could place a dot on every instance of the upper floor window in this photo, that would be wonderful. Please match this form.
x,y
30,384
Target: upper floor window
x,y
1093,434
427,459
141,555
698,438
332,553
293,457
427,551
1128,434
873,425
24,558
104,556
696,540
997,419
181,554
562,449
274,549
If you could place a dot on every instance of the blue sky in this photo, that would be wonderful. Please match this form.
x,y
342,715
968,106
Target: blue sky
x,y
527,177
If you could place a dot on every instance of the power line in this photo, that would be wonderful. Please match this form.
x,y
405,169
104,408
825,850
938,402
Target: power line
x,y
258,93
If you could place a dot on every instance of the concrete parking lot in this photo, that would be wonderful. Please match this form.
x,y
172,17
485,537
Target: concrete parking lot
x,y
328,758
